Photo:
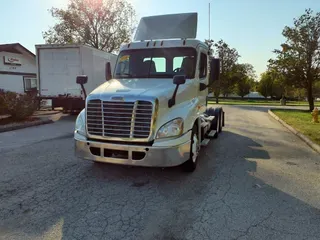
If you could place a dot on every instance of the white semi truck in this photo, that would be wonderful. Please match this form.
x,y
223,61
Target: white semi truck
x,y
58,66
152,111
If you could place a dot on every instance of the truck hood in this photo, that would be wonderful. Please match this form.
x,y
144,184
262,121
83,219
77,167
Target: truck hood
x,y
162,87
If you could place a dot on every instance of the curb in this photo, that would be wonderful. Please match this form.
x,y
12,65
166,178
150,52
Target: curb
x,y
26,125
46,114
304,138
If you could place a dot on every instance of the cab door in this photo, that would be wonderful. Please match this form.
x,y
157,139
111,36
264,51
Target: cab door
x,y
203,76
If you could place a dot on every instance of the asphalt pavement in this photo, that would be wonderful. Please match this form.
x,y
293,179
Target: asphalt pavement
x,y
256,181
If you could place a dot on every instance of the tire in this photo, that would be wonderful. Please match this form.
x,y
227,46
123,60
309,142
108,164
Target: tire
x,y
191,164
210,111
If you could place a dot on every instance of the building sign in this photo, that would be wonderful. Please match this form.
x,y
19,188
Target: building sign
x,y
11,60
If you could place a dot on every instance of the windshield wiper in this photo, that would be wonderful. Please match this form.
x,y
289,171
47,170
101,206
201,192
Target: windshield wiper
x,y
124,75
163,75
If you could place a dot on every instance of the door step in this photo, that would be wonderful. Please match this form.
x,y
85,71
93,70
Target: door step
x,y
209,118
212,134
205,142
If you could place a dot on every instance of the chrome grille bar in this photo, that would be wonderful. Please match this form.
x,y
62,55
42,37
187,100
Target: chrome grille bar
x,y
126,120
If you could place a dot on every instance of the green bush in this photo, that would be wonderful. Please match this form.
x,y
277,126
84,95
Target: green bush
x,y
20,106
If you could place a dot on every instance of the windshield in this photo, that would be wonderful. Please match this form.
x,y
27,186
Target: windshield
x,y
159,63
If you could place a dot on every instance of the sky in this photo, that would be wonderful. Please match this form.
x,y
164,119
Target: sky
x,y
253,27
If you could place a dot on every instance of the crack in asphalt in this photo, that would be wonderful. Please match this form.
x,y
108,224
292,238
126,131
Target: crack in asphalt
x,y
253,225
26,144
108,202
288,232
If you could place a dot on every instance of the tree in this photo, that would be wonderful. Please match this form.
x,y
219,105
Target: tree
x,y
278,90
244,86
299,59
316,89
271,84
228,57
299,93
255,85
265,85
242,76
102,24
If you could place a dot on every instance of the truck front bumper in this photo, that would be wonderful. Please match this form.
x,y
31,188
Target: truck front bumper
x,y
167,153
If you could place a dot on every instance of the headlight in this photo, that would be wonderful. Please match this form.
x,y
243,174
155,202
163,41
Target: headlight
x,y
80,124
171,129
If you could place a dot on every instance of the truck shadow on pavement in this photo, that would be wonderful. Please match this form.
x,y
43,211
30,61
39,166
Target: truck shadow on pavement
x,y
207,165
222,199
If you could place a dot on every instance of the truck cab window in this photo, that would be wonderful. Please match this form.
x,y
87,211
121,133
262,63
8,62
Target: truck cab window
x,y
156,63
203,66
123,65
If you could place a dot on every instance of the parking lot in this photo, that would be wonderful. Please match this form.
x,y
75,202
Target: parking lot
x,y
256,181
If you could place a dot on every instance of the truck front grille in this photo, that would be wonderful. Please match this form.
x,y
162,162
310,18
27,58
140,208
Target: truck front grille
x,y
119,119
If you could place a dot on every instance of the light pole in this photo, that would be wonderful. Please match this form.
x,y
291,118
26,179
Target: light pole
x,y
209,21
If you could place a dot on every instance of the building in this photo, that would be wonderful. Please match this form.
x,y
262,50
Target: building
x,y
17,68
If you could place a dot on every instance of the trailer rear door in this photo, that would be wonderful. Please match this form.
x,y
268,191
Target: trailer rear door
x,y
58,69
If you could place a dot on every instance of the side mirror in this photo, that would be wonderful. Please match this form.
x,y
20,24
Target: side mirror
x,y
108,71
82,79
214,70
179,79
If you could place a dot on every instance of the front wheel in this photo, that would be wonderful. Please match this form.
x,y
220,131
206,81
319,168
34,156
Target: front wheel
x,y
191,164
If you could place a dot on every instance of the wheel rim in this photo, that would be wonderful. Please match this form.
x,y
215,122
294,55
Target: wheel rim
x,y
195,148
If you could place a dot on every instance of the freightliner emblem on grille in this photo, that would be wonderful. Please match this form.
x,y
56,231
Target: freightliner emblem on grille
x,y
118,98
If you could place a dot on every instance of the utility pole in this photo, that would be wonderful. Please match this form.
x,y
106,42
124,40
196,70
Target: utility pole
x,y
209,22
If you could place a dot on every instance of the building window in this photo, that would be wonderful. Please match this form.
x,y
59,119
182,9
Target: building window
x,y
203,65
30,83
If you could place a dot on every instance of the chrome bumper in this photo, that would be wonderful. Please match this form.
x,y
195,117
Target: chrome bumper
x,y
162,154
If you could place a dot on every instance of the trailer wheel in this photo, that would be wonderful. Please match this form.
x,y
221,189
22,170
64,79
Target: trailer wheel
x,y
191,164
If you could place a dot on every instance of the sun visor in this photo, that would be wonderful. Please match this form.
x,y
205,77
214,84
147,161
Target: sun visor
x,y
169,26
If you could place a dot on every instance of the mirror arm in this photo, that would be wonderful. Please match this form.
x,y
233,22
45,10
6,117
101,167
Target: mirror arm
x,y
84,91
108,74
172,100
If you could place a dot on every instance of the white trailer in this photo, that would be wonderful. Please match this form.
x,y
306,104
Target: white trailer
x,y
58,66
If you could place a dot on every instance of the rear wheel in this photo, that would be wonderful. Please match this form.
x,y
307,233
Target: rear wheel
x,y
191,164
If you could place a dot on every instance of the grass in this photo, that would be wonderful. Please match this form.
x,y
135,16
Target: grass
x,y
260,102
302,121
